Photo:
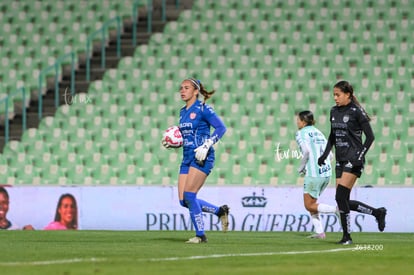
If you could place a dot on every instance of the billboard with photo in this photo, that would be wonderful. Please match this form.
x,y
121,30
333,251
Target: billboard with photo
x,y
157,208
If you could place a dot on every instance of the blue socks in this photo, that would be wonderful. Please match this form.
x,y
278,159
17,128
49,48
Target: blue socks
x,y
190,199
205,206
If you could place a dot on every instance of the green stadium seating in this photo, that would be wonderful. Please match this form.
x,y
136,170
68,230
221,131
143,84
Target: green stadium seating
x,y
266,59
39,32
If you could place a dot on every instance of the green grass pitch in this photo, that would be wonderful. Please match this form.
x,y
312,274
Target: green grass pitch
x,y
164,252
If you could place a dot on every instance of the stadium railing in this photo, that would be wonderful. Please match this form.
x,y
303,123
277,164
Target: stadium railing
x,y
6,101
57,70
103,32
57,66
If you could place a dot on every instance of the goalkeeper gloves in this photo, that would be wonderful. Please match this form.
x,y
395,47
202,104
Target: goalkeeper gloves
x,y
201,151
165,144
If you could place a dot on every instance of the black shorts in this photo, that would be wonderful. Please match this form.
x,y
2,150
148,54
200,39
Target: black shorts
x,y
346,166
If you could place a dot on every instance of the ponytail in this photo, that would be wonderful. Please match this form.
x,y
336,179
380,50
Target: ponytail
x,y
206,94
356,102
197,85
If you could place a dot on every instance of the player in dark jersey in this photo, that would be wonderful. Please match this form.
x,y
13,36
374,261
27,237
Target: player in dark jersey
x,y
196,119
348,122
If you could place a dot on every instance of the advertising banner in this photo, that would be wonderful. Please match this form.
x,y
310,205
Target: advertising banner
x,y
157,208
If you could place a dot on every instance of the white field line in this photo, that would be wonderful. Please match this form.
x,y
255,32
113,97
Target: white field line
x,y
246,255
89,260
53,262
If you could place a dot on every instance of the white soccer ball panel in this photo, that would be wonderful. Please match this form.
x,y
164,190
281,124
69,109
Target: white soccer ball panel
x,y
172,136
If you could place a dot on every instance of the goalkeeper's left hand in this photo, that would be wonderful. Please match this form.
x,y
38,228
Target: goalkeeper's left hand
x,y
201,151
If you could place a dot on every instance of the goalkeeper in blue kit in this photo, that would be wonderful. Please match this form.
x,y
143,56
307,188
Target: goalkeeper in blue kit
x,y
196,120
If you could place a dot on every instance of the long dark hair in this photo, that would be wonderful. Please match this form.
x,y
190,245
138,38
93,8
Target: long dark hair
x,y
347,88
74,223
199,86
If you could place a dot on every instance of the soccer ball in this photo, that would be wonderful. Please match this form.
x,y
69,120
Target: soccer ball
x,y
172,136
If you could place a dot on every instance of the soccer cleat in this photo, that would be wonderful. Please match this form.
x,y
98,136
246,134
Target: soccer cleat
x,y
345,241
223,214
197,239
317,236
381,218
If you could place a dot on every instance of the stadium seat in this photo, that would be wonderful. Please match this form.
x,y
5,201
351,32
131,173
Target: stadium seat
x,y
263,175
104,174
369,177
408,177
4,167
288,177
266,60
53,174
79,175
29,175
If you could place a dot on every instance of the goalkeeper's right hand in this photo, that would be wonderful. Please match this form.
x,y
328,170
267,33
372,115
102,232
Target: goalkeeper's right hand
x,y
165,144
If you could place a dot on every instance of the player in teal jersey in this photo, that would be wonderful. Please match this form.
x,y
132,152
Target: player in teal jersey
x,y
312,143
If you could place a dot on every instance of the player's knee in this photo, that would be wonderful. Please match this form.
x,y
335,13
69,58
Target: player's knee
x,y
189,198
342,198
308,206
310,203
341,193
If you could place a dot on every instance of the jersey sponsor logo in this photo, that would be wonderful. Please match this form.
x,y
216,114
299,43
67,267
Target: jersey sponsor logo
x,y
342,144
186,125
338,125
186,132
193,115
324,169
188,143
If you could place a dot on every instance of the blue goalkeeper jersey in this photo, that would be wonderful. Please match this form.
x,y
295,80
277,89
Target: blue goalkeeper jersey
x,y
195,126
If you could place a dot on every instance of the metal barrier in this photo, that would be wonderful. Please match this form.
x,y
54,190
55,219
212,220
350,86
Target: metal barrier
x,y
58,64
149,16
102,31
6,112
135,20
164,7
55,67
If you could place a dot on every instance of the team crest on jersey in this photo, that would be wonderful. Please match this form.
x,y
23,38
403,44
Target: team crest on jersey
x,y
193,115
346,118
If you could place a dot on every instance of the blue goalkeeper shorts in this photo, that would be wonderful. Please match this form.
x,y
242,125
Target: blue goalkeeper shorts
x,y
205,167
